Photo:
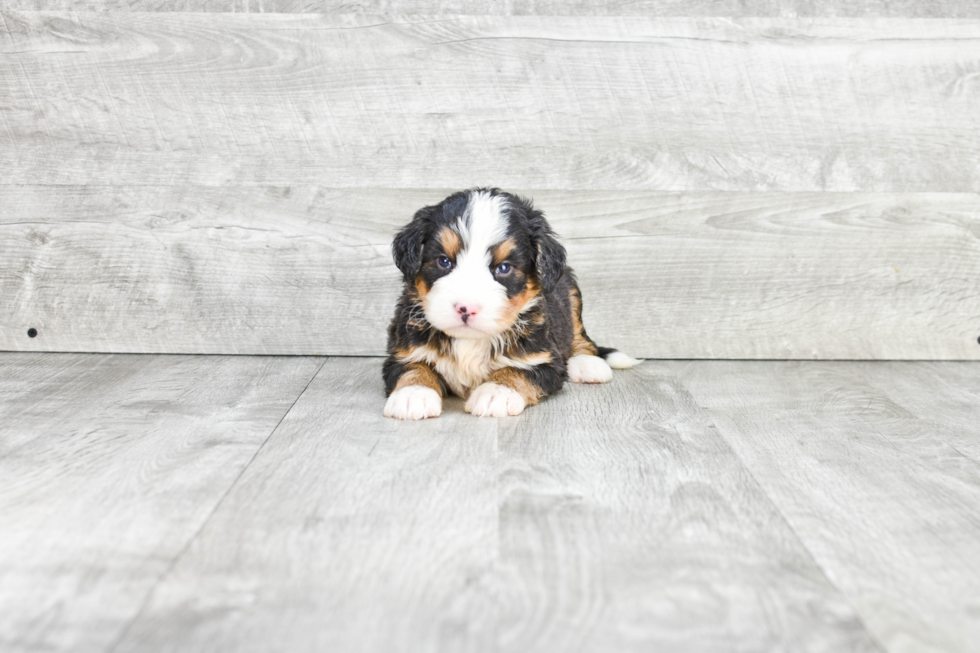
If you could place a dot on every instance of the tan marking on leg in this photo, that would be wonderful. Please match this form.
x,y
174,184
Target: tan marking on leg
x,y
537,358
450,242
402,353
580,345
418,354
419,374
441,359
502,251
517,382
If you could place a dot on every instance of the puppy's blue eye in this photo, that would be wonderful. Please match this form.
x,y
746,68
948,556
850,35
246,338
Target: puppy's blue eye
x,y
444,262
502,269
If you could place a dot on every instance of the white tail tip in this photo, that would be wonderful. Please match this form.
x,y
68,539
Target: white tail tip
x,y
620,361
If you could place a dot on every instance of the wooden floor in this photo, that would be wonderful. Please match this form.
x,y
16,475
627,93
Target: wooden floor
x,y
184,503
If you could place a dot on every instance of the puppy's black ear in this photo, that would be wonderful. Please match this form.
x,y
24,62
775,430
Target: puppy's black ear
x,y
550,260
549,253
406,249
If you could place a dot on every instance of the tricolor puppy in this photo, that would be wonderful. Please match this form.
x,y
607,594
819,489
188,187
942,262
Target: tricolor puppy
x,y
490,311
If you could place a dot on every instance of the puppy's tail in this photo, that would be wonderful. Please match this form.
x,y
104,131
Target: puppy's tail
x,y
617,359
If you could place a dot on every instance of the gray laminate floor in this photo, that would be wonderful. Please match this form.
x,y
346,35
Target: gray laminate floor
x,y
182,503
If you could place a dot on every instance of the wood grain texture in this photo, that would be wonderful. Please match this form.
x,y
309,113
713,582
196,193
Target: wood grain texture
x,y
627,524
351,531
667,275
578,102
939,399
686,506
110,465
732,8
595,528
885,504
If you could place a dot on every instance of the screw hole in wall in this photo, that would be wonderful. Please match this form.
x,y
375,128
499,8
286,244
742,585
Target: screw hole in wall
x,y
32,333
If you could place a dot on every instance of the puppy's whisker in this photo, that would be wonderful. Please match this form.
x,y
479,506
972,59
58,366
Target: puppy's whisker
x,y
416,317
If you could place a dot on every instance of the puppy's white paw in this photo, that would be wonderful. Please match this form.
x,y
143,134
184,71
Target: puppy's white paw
x,y
494,400
588,369
413,402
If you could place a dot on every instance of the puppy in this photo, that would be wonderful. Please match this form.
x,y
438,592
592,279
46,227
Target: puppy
x,y
489,312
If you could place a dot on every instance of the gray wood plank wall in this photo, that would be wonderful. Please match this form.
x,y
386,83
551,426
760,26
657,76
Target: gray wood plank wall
x,y
731,8
780,182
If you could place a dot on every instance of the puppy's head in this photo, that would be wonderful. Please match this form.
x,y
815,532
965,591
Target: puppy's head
x,y
478,259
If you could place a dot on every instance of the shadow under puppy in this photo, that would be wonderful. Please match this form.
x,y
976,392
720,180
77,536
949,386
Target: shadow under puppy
x,y
489,312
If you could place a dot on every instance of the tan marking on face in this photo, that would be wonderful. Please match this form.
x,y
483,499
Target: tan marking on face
x,y
502,251
421,287
419,374
512,309
517,382
450,242
580,345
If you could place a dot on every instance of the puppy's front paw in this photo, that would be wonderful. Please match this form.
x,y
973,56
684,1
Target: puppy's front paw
x,y
588,369
494,400
413,402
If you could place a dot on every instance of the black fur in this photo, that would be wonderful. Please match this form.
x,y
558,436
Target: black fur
x,y
550,254
406,249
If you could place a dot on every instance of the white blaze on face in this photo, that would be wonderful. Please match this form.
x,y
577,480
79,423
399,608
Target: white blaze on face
x,y
471,283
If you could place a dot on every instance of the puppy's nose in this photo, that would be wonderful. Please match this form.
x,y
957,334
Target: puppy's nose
x,y
466,311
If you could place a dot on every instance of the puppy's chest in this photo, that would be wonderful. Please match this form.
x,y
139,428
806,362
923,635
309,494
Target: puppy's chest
x,y
467,365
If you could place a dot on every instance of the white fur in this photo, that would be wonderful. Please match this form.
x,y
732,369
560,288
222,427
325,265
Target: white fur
x,y
494,400
471,283
484,225
469,365
413,402
620,361
588,369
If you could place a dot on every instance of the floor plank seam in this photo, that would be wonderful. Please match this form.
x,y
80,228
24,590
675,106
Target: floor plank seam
x,y
844,597
197,533
152,505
